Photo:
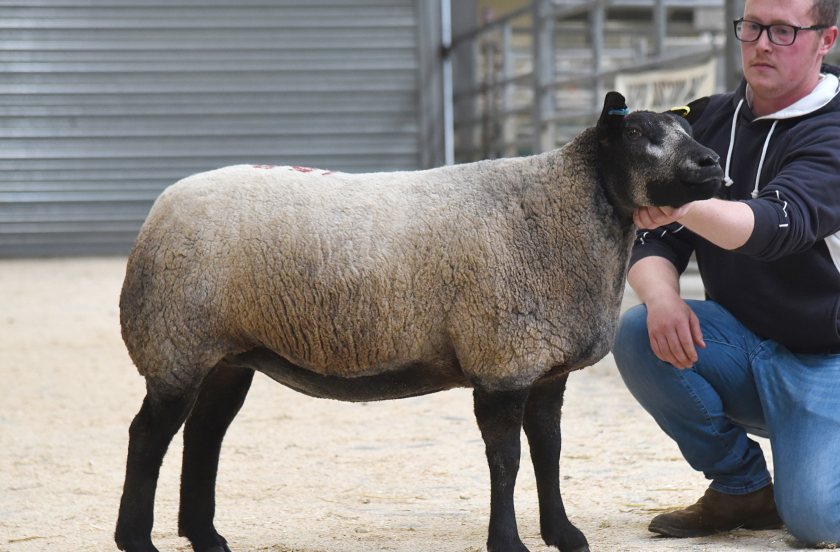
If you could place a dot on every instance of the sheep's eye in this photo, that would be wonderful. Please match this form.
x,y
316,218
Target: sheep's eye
x,y
633,133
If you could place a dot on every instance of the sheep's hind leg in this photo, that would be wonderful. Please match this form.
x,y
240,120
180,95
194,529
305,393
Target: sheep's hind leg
x,y
542,426
150,433
499,415
222,395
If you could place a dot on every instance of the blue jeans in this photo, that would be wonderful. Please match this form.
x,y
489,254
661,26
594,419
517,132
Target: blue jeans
x,y
742,384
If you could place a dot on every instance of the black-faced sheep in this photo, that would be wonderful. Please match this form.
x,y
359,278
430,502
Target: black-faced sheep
x,y
501,275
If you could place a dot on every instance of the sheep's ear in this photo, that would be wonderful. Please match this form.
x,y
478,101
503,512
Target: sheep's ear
x,y
692,111
612,116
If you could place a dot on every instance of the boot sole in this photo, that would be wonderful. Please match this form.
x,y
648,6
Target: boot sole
x,y
678,532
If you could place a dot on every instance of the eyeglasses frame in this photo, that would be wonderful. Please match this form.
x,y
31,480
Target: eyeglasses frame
x,y
763,28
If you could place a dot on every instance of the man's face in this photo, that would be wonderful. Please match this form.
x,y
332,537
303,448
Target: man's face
x,y
781,75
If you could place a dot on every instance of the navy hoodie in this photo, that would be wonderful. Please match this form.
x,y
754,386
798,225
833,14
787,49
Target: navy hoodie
x,y
784,283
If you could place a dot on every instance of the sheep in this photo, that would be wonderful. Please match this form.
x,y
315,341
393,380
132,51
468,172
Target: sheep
x,y
501,275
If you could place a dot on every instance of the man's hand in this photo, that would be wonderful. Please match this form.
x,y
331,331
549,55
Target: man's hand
x,y
727,224
673,328
674,331
654,217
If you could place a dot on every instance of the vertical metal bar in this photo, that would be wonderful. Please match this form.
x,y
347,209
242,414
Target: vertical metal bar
x,y
732,50
660,26
597,15
477,108
543,44
487,94
464,58
448,111
508,122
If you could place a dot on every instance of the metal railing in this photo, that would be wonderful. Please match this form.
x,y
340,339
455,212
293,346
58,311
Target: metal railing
x,y
539,73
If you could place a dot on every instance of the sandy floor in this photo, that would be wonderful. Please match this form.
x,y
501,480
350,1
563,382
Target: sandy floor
x,y
299,474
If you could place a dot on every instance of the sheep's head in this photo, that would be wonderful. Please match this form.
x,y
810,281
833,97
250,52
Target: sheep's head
x,y
648,158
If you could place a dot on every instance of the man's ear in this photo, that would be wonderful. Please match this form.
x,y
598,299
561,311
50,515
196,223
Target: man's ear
x,y
692,111
827,39
612,116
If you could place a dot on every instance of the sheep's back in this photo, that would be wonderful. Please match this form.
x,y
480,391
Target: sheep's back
x,y
297,262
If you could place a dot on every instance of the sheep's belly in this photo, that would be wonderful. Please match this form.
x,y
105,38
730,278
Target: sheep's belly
x,y
409,381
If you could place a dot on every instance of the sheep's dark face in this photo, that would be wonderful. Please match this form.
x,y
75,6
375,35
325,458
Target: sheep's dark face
x,y
651,158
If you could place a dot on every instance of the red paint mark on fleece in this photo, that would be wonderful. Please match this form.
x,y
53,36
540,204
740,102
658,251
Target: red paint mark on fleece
x,y
295,168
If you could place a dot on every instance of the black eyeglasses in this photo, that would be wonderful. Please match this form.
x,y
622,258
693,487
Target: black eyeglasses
x,y
782,35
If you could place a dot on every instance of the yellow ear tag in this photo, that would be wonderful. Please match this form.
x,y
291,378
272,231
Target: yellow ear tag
x,y
683,110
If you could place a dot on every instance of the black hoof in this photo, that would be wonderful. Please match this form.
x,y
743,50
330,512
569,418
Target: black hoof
x,y
218,548
570,539
507,547
136,545
205,541
214,547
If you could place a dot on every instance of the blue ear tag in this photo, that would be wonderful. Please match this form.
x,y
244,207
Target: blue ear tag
x,y
622,112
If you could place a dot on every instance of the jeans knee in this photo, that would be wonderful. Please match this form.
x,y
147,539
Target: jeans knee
x,y
810,513
636,362
631,336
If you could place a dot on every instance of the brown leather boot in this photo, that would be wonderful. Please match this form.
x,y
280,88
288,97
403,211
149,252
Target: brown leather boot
x,y
716,512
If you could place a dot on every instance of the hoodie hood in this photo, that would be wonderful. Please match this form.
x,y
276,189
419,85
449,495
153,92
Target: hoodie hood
x,y
818,100
821,96
825,91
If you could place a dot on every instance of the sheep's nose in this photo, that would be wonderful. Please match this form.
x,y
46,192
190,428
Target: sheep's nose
x,y
709,159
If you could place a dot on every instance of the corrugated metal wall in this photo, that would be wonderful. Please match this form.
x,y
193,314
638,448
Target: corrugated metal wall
x,y
103,103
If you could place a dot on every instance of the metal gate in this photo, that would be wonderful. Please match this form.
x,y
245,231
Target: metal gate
x,y
103,103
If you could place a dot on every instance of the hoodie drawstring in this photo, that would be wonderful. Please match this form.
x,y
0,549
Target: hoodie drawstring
x,y
726,180
754,193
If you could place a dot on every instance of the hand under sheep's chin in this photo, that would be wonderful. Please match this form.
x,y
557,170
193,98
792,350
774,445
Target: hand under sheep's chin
x,y
656,216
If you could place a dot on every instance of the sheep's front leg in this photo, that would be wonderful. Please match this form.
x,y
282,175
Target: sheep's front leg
x,y
499,415
542,426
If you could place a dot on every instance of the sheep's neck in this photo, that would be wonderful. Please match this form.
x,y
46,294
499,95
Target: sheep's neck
x,y
585,173
566,197
622,212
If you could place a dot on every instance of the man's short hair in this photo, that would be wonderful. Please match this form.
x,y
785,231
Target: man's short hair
x,y
825,12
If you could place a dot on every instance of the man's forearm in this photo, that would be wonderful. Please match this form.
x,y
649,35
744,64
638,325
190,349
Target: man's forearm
x,y
652,278
727,224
